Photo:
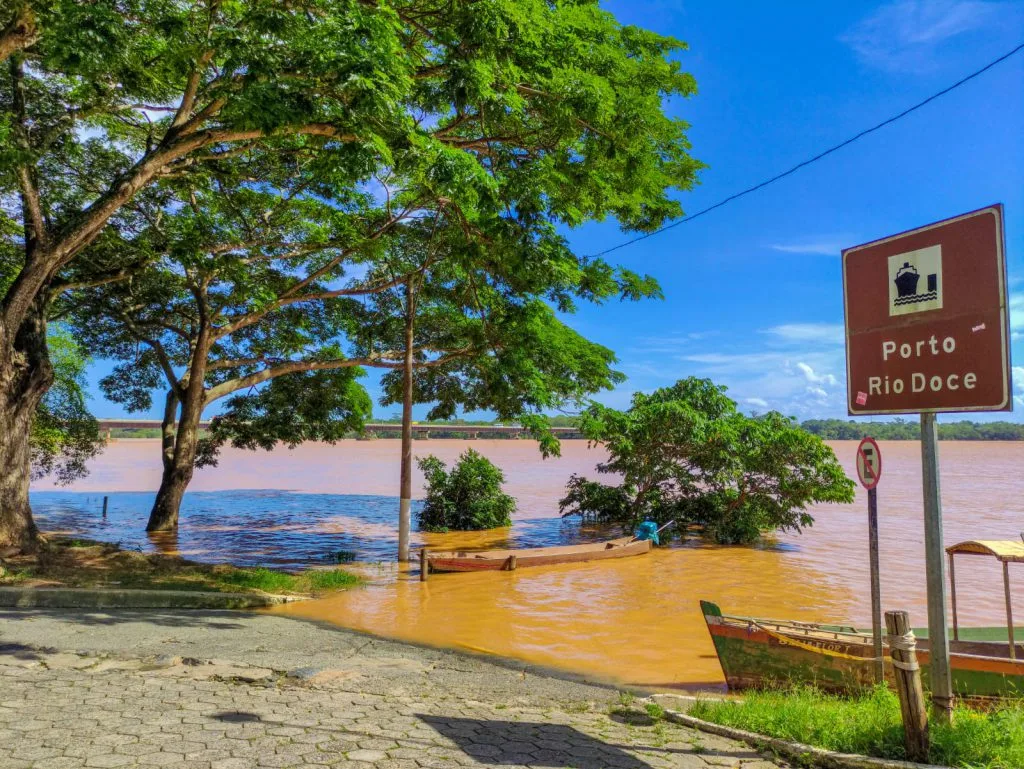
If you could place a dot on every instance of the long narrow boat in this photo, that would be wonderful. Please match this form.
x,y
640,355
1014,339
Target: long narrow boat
x,y
506,560
762,652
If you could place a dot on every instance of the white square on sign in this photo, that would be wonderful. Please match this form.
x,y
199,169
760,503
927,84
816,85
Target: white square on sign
x,y
915,281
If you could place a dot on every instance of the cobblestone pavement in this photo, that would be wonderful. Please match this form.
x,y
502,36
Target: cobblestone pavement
x,y
61,710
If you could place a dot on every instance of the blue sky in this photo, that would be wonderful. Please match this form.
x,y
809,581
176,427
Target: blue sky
x,y
753,294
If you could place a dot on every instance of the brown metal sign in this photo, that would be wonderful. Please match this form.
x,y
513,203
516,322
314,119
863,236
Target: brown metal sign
x,y
926,319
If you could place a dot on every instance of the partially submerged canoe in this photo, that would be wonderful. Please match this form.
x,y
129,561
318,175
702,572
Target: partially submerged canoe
x,y
506,560
759,653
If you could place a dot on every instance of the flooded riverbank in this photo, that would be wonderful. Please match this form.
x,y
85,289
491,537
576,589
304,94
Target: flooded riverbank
x,y
634,620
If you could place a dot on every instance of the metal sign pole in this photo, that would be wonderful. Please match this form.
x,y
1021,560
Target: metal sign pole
x,y
938,628
876,589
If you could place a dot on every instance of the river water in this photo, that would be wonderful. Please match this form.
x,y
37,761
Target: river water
x,y
634,620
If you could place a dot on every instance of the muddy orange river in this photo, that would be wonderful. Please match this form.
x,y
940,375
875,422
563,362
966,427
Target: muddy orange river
x,y
633,621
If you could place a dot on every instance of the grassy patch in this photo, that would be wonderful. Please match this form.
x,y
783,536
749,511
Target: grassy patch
x,y
870,724
83,563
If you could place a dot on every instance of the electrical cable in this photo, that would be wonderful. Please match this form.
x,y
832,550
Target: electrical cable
x,y
816,158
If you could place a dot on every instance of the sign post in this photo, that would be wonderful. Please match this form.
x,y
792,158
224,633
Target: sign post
x,y
927,331
869,470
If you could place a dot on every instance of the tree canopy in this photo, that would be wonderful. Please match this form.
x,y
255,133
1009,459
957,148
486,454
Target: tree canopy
x,y
686,453
65,436
509,117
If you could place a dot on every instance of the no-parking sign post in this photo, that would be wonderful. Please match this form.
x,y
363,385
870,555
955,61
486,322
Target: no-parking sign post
x,y
869,471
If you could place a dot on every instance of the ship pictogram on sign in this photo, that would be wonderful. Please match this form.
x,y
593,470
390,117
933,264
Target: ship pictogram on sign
x,y
915,283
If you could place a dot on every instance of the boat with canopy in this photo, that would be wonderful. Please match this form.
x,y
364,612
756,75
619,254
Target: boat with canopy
x,y
985,662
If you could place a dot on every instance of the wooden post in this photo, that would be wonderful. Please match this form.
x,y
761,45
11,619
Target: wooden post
x,y
510,563
952,598
908,685
938,626
424,565
1009,609
876,588
105,506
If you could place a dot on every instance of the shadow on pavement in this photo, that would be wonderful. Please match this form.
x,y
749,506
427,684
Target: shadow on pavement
x,y
186,618
19,651
536,744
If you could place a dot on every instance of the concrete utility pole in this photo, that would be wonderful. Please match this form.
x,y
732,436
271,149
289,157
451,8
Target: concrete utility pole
x,y
935,573
405,502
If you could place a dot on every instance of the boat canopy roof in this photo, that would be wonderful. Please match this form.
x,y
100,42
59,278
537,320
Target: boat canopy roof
x,y
1006,550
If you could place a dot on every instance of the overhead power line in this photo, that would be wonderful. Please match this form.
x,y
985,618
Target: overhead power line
x,y
817,157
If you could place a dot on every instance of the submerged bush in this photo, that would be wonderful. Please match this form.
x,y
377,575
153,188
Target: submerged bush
x,y
468,498
686,453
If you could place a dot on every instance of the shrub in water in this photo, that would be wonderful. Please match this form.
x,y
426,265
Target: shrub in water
x,y
468,498
686,453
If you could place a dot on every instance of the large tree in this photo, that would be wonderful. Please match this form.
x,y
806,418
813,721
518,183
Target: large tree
x,y
550,110
246,293
474,315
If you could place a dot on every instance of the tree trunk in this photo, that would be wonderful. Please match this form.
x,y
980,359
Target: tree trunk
x,y
179,462
405,501
167,430
25,376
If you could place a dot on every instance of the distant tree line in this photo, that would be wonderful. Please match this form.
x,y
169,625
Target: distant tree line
x,y
905,430
828,429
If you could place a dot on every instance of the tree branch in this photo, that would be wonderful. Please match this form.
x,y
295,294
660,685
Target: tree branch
x,y
378,360
112,277
84,228
20,33
188,98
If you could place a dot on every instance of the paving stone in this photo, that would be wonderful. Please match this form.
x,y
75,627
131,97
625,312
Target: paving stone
x,y
109,760
232,763
367,755
74,714
60,762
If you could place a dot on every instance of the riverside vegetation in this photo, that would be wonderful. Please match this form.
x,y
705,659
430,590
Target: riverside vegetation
x,y
85,563
871,725
685,453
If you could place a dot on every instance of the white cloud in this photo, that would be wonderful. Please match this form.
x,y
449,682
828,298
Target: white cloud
x,y
736,363
817,393
1018,385
760,403
813,377
819,333
670,343
824,247
903,36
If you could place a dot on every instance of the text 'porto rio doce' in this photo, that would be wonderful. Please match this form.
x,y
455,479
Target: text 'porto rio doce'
x,y
924,350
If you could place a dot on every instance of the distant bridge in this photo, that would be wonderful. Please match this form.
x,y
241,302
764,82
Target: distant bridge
x,y
380,429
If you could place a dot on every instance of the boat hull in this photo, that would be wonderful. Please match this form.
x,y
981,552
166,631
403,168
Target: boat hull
x,y
499,560
761,654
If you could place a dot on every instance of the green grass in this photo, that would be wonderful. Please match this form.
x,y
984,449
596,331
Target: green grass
x,y
84,563
331,579
654,710
870,725
266,580
271,581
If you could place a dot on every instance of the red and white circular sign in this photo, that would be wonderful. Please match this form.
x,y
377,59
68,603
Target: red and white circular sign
x,y
869,463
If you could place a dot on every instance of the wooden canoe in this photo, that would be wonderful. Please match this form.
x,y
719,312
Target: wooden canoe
x,y
758,653
505,560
